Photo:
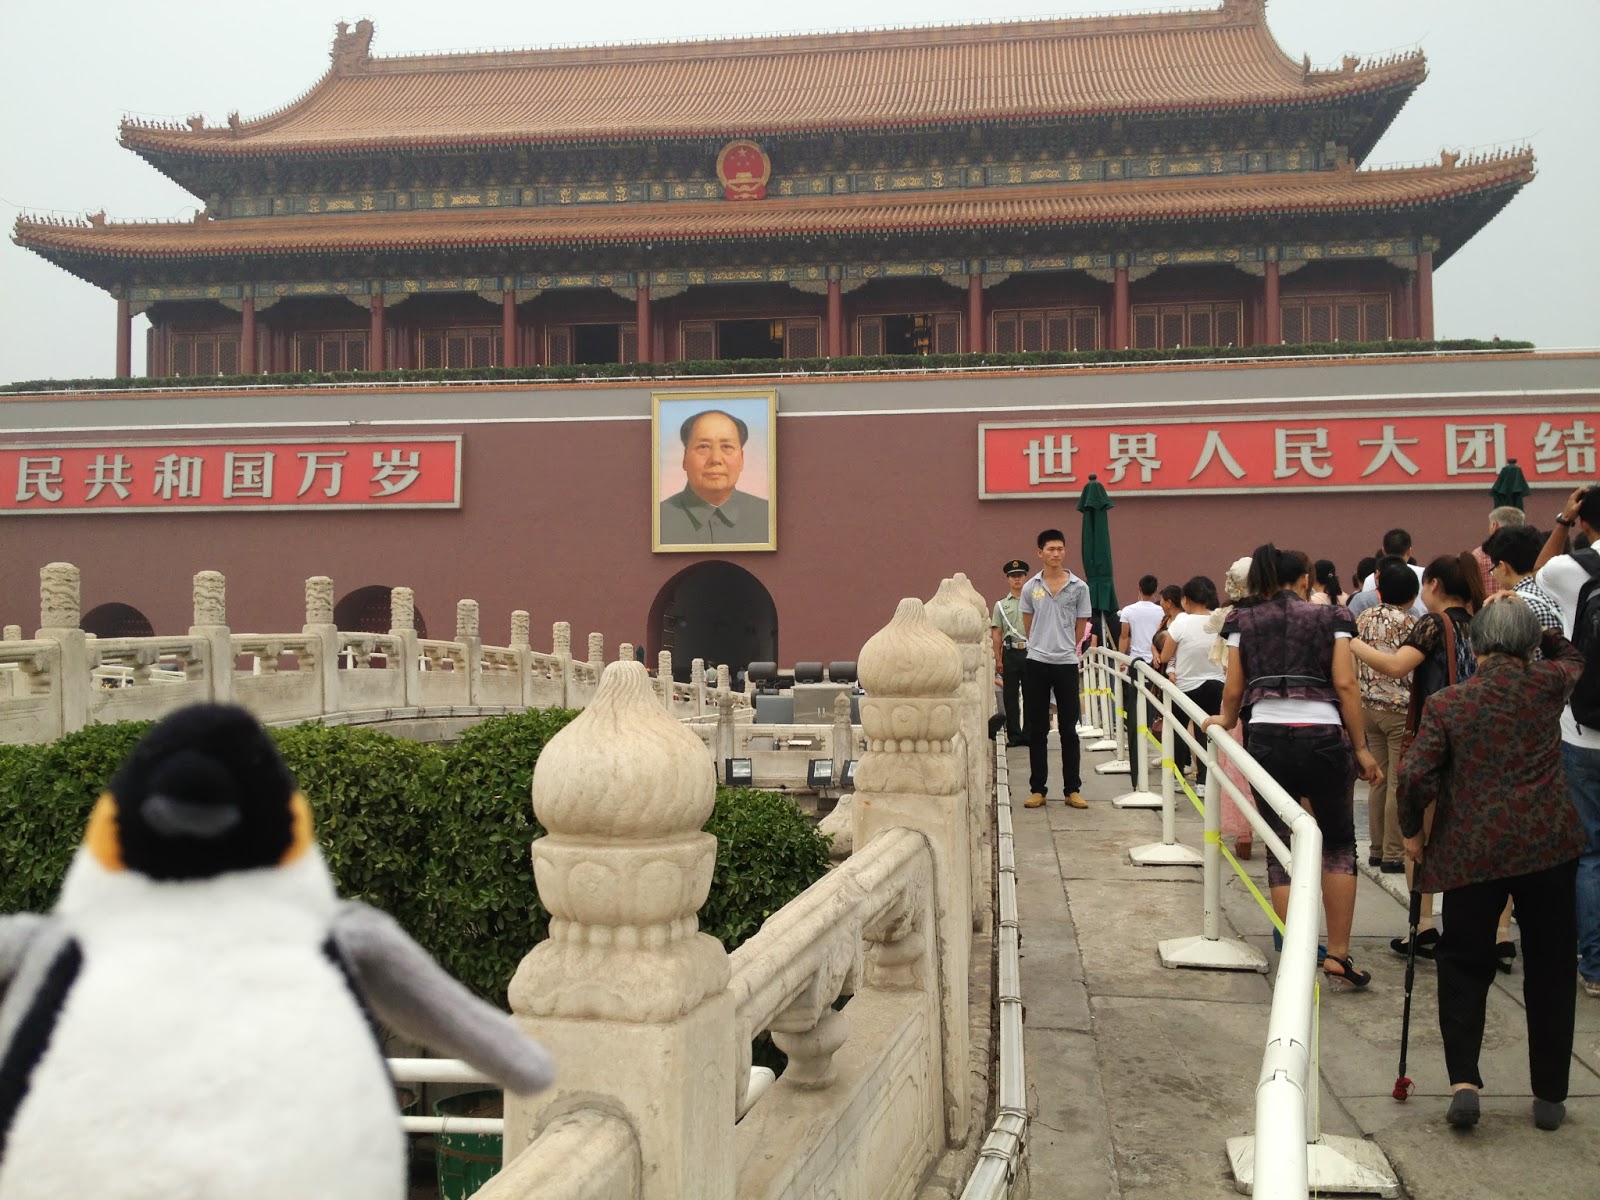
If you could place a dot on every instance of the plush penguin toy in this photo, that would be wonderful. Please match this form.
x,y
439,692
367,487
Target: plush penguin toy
x,y
191,1021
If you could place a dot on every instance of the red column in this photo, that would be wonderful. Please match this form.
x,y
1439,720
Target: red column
x,y
975,330
157,367
124,340
508,328
642,324
1425,295
375,336
835,319
247,337
1120,309
1401,306
1272,314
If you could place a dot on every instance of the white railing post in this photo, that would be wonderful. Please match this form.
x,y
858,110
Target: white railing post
x,y
664,678
211,625
1106,696
468,637
631,1000
403,628
1140,795
521,644
1117,732
561,647
1089,727
697,681
1167,852
910,776
59,617
951,613
1211,949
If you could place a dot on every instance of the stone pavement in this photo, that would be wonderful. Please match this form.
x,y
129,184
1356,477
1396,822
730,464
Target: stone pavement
x,y
1138,1075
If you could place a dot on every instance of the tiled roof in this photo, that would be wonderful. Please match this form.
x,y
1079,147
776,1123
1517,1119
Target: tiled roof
x,y
1005,71
1140,202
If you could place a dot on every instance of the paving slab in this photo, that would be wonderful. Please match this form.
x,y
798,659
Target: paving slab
x,y
1138,1074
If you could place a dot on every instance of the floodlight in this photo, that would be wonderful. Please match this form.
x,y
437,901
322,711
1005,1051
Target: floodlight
x,y
848,778
819,773
738,772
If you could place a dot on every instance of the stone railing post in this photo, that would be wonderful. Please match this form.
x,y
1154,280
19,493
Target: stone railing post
x,y
664,678
628,996
724,678
467,634
403,627
12,633
319,624
987,666
697,680
521,644
597,650
724,732
561,647
911,776
956,619
211,623
59,617
625,652
842,736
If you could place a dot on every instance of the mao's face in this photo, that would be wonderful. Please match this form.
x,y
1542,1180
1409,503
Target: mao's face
x,y
713,458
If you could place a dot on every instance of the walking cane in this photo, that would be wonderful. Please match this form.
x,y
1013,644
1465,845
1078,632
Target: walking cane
x,y
1402,1084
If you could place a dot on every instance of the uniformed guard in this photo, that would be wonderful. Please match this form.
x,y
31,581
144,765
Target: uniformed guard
x,y
1010,649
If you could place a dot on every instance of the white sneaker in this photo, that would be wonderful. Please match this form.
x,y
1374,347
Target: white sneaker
x,y
1592,987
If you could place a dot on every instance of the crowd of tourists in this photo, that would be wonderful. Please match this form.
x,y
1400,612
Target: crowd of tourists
x,y
1465,693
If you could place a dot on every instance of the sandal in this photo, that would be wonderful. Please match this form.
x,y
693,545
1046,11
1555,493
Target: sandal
x,y
1347,976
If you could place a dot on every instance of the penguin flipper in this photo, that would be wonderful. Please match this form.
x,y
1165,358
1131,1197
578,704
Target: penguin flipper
x,y
410,992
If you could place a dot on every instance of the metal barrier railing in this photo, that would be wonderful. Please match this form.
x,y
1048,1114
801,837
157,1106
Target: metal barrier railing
x,y
1287,1158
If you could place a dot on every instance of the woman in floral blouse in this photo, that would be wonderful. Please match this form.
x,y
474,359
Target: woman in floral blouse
x,y
1487,760
1384,701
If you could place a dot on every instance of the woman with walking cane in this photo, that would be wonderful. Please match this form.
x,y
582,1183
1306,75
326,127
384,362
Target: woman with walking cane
x,y
1487,759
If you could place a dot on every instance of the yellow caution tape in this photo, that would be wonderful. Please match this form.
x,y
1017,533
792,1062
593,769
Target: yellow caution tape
x,y
1154,740
1214,837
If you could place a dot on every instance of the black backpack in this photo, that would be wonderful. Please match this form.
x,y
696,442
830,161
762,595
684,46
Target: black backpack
x,y
1586,637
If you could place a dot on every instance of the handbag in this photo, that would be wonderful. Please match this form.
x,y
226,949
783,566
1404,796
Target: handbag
x,y
1414,707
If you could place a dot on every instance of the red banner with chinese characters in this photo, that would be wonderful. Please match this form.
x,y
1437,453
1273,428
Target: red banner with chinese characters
x,y
1553,446
207,476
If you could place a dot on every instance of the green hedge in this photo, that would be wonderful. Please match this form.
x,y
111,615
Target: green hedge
x,y
437,836
769,366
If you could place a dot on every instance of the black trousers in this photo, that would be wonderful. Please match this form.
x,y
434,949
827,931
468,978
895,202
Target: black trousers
x,y
1138,745
1208,695
1040,681
1011,668
1547,915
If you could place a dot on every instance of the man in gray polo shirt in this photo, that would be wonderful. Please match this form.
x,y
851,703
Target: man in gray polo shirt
x,y
1055,613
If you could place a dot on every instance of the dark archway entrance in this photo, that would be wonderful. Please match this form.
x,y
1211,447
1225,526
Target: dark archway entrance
x,y
116,621
717,612
366,610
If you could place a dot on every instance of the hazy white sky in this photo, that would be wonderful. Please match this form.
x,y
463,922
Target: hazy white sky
x,y
1500,75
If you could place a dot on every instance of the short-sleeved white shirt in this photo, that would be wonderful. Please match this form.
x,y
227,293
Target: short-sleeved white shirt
x,y
1563,578
1193,658
1143,618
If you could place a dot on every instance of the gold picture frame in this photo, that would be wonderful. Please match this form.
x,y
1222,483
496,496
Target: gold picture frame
x,y
714,471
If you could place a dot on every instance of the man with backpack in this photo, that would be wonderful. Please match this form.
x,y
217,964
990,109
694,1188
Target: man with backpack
x,y
1572,578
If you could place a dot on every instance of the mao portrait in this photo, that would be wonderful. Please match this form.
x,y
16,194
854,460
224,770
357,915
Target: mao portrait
x,y
714,471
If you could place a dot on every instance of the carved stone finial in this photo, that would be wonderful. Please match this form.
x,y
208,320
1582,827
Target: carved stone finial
x,y
402,610
911,672
697,672
597,648
724,679
625,652
973,597
521,627
561,639
623,792
12,633
58,596
319,600
351,48
1449,158
909,657
953,616
466,619
210,598
664,665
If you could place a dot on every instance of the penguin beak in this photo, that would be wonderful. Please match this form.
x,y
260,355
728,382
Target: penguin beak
x,y
172,817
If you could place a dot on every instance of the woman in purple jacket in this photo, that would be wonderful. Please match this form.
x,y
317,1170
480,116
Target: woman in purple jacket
x,y
1487,759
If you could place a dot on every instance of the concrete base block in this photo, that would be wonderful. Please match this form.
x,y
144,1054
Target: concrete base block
x,y
1342,1165
1159,854
1090,731
1103,745
1117,766
1136,799
1224,954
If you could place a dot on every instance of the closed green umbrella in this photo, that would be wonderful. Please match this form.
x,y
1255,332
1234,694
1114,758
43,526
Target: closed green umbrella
x,y
1509,486
1095,505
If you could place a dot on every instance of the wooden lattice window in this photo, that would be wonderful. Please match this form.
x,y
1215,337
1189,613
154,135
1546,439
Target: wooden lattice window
x,y
947,334
1169,326
598,343
459,348
204,354
558,346
1054,329
869,336
698,340
331,350
802,338
1335,319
